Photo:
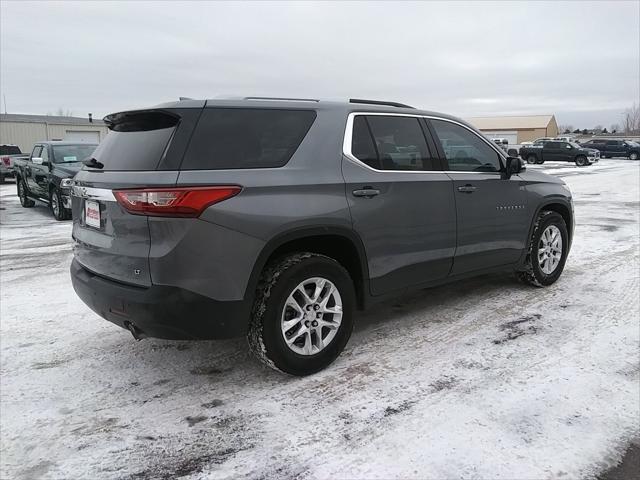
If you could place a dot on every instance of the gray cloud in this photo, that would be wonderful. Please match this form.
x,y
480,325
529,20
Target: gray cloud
x,y
579,60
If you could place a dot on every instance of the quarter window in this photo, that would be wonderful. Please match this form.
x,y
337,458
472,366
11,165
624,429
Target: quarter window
x,y
464,150
229,138
391,143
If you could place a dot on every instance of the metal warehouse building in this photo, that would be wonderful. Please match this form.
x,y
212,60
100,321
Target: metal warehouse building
x,y
517,129
25,130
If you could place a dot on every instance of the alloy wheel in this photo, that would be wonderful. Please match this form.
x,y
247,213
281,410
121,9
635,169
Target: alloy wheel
x,y
550,249
311,316
55,206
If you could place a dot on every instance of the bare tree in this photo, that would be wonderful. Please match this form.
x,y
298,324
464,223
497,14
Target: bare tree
x,y
60,112
615,127
597,129
565,128
631,121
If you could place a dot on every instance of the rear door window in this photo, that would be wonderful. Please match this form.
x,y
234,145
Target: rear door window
x,y
232,138
136,140
391,143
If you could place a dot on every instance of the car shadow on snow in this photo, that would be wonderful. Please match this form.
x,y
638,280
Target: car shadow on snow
x,y
220,360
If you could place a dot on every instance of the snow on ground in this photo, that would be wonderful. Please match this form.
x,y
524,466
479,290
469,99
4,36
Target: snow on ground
x,y
486,378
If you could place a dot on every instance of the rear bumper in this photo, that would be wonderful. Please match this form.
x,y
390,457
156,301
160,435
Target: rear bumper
x,y
160,311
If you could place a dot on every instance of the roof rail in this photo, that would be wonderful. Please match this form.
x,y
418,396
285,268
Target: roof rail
x,y
283,99
380,102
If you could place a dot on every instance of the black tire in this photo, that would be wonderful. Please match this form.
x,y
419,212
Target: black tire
x,y
633,156
581,161
539,162
55,204
25,201
532,159
533,273
278,280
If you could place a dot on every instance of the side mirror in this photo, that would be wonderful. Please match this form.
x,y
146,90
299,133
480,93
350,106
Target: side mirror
x,y
37,160
514,166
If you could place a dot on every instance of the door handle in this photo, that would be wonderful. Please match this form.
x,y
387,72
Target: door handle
x,y
366,192
468,188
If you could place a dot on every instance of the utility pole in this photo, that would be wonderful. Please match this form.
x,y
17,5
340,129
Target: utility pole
x,y
5,103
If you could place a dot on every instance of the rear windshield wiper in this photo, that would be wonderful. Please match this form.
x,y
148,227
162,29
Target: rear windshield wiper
x,y
93,163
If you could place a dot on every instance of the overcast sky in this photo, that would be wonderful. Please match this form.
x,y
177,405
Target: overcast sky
x,y
580,61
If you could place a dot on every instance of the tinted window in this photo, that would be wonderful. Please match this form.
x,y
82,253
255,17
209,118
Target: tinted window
x,y
72,153
613,142
464,150
136,141
228,138
362,146
9,150
400,143
553,145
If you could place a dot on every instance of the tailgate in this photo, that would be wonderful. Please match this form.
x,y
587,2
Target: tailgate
x,y
141,150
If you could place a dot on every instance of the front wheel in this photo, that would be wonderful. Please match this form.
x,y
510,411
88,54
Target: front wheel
x,y
57,207
303,313
548,250
581,161
25,201
532,159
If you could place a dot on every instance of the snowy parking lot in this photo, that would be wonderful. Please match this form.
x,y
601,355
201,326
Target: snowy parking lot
x,y
486,378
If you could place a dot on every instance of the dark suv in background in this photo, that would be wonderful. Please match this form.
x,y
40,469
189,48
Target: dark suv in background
x,y
276,218
615,148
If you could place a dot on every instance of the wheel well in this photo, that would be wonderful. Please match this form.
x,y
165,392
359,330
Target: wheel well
x,y
564,211
338,247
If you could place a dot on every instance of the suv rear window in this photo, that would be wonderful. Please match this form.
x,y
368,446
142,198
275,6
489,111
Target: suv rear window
x,y
231,138
136,140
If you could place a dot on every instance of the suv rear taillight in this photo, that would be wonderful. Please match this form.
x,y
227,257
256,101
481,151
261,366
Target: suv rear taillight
x,y
173,202
6,161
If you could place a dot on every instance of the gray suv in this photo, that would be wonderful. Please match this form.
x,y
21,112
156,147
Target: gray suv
x,y
277,218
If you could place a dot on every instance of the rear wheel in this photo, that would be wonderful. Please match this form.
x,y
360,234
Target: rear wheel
x,y
633,156
57,207
581,161
25,201
532,159
303,313
547,251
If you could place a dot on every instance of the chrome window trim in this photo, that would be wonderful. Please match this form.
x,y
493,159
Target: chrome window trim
x,y
103,194
348,137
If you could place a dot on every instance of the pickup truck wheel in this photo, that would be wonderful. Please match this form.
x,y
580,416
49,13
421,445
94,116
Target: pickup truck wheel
x,y
547,251
532,159
25,201
302,317
57,207
581,161
633,156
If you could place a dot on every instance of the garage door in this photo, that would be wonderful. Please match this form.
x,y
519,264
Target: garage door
x,y
512,135
80,136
